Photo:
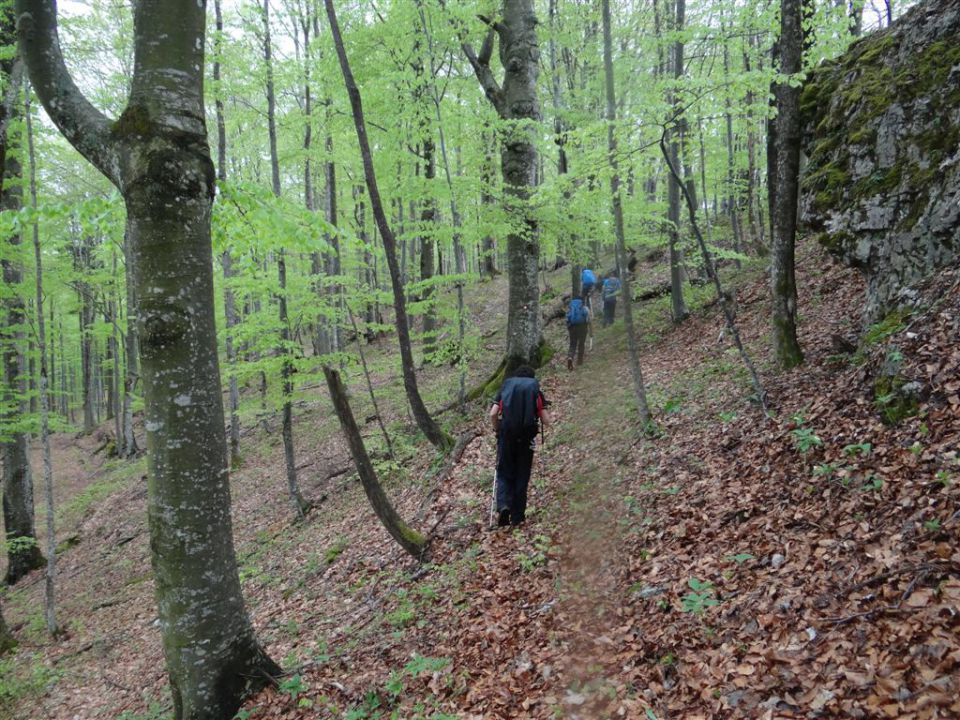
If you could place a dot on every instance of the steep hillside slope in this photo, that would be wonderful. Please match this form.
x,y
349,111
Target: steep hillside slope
x,y
801,565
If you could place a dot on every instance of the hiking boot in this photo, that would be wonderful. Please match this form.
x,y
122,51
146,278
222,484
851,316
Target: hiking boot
x,y
569,363
504,519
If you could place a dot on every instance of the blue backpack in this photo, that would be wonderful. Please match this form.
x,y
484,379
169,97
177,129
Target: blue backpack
x,y
577,314
588,279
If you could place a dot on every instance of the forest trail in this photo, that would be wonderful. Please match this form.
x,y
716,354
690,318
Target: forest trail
x,y
587,611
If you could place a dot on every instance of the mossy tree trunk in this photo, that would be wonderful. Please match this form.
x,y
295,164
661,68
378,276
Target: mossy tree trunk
x,y
157,155
408,538
18,519
783,282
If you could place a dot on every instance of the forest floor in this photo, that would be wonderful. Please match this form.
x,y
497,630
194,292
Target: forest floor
x,y
802,564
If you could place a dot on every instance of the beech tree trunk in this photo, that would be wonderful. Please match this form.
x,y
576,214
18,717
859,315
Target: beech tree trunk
x,y
226,260
677,303
634,353
783,282
23,553
7,641
422,417
298,502
43,390
157,155
517,104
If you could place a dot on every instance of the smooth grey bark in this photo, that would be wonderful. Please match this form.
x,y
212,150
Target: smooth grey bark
x,y
50,614
783,283
636,372
517,104
157,155
677,304
131,354
297,501
408,538
23,552
421,415
226,259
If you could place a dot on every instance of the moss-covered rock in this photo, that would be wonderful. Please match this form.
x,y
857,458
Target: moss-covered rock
x,y
881,131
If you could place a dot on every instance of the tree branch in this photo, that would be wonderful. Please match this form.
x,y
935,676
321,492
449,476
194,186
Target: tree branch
x,y
481,68
87,129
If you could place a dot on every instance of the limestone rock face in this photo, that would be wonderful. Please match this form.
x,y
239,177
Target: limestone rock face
x,y
881,134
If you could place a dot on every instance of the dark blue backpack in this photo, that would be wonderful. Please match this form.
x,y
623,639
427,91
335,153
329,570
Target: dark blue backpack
x,y
519,408
577,314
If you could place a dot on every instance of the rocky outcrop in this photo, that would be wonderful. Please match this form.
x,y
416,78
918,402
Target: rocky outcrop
x,y
881,134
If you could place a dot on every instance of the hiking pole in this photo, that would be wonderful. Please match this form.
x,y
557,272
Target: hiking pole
x,y
493,499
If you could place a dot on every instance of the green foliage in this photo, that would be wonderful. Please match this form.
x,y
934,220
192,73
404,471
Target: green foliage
x,y
701,596
805,439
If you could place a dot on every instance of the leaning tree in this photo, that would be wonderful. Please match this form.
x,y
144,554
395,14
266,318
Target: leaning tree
x,y
157,155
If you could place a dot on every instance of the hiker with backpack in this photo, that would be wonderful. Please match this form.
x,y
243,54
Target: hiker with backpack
x,y
611,288
578,326
588,281
517,414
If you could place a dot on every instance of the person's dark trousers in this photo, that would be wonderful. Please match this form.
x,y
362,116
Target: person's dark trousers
x,y
578,341
513,476
609,310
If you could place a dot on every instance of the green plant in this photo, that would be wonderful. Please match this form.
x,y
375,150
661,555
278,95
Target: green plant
x,y
701,596
825,470
294,686
872,483
857,449
404,613
740,558
944,478
536,558
727,417
932,525
805,439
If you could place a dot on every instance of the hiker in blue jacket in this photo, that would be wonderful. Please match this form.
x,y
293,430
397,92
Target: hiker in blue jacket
x,y
611,288
517,413
578,325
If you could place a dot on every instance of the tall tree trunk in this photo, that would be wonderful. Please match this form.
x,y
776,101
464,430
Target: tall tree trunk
x,y
516,103
131,343
782,277
50,585
299,503
424,421
428,260
157,155
229,299
488,247
677,303
23,552
754,212
408,538
634,352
